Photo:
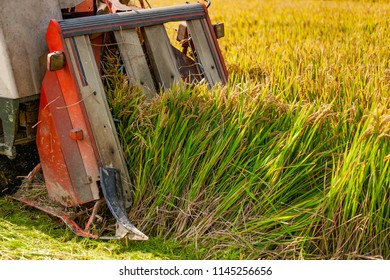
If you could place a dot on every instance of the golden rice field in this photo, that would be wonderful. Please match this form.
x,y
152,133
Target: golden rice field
x,y
291,160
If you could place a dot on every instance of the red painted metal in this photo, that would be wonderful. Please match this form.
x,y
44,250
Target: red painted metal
x,y
70,167
85,7
30,177
115,6
58,181
67,218
76,134
108,3
215,40
60,156
97,44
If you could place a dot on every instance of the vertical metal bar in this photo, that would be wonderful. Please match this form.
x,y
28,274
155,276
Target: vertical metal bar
x,y
98,111
162,58
135,61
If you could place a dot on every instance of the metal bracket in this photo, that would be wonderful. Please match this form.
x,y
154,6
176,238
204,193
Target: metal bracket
x,y
9,109
112,191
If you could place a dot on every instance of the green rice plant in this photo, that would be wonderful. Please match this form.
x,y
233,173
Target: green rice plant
x,y
356,206
290,159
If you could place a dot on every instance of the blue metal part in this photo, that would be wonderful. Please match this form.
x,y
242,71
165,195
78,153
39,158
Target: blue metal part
x,y
112,191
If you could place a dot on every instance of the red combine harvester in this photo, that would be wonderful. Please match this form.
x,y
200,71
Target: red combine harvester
x,y
56,118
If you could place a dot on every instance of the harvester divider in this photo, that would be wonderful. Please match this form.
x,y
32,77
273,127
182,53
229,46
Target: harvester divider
x,y
112,190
